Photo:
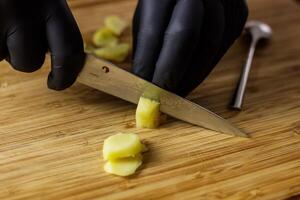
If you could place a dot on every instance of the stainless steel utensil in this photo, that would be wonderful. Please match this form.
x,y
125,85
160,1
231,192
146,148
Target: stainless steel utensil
x,y
109,78
258,31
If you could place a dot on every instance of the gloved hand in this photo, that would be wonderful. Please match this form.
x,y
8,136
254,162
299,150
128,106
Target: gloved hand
x,y
178,43
29,28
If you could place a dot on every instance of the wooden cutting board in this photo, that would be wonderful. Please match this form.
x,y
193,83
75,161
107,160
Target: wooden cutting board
x,y
50,142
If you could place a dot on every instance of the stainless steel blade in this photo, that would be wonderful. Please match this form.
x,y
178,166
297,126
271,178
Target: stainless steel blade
x,y
107,77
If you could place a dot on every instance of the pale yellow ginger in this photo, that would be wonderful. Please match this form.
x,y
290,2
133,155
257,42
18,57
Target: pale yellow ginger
x,y
147,113
104,37
116,53
122,145
123,166
115,24
122,153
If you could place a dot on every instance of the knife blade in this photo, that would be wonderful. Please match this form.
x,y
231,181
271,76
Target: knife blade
x,y
107,77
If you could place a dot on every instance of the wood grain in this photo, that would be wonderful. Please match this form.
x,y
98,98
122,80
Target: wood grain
x,y
50,141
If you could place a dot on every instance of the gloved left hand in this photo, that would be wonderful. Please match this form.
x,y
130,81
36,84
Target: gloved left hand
x,y
29,28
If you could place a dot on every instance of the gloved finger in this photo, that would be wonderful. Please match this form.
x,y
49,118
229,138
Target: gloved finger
x,y
3,48
66,47
135,27
236,13
207,48
26,45
153,20
180,41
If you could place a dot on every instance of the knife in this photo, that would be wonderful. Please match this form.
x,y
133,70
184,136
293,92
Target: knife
x,y
107,77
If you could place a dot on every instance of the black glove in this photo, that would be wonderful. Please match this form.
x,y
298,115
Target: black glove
x,y
178,43
29,28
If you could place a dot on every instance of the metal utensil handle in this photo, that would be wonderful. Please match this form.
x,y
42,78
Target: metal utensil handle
x,y
239,96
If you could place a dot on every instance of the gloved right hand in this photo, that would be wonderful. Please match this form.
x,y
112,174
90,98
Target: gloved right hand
x,y
29,28
178,43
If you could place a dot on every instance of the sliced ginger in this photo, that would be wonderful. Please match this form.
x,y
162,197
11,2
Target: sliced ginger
x,y
106,41
123,166
117,52
122,145
104,37
147,113
115,24
122,153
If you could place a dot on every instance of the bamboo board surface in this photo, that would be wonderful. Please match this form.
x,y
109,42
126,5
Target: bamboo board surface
x,y
50,141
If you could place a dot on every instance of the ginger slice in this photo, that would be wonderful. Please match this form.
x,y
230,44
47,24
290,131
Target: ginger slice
x,y
117,53
104,37
115,24
123,166
122,145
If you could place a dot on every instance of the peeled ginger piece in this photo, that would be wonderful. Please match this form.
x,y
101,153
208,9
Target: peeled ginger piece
x,y
104,37
123,166
122,145
117,52
88,48
147,113
122,153
115,24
